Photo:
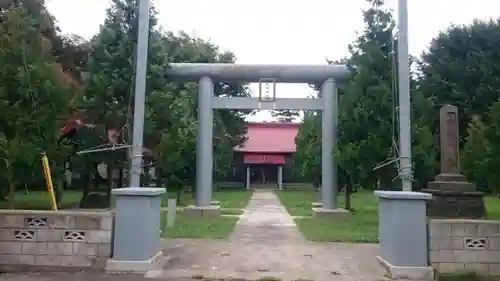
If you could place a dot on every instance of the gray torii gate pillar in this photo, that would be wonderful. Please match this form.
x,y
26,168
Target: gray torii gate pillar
x,y
328,141
247,177
329,122
204,153
280,177
208,74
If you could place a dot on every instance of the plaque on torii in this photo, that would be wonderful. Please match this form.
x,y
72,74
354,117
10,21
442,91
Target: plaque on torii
x,y
267,91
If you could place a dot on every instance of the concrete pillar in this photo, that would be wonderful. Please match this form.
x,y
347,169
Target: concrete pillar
x,y
247,178
137,217
204,152
280,177
403,234
328,142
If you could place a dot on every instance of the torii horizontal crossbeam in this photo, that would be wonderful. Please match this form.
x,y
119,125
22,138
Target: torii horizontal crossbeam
x,y
247,73
255,103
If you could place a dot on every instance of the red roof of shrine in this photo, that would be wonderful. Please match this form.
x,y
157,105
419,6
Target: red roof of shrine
x,y
272,137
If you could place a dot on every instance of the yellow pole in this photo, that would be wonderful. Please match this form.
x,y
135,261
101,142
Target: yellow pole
x,y
48,180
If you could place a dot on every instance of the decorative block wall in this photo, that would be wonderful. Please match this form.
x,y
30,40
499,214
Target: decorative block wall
x,y
70,239
458,245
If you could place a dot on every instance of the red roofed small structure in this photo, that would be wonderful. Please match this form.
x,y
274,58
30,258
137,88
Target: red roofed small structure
x,y
266,153
259,136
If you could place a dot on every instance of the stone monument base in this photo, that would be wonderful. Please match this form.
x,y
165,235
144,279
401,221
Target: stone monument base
x,y
446,185
208,211
330,213
119,266
406,273
317,204
455,204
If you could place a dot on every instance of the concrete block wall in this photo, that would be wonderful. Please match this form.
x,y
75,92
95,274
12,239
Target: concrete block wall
x,y
62,239
461,245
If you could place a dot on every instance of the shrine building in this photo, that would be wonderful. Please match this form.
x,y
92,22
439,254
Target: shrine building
x,y
266,158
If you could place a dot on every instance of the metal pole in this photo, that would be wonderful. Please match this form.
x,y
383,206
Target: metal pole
x,y
247,178
405,172
335,123
205,150
171,212
140,93
280,177
328,140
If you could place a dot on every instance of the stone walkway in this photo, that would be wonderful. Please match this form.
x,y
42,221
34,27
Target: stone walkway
x,y
265,220
266,242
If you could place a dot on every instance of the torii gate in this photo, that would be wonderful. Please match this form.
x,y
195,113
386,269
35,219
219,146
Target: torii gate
x,y
208,74
138,209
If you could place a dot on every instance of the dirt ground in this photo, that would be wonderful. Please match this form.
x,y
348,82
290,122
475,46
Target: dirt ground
x,y
280,259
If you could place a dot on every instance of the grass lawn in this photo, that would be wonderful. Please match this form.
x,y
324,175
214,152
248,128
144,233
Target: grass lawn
x,y
231,202
40,200
492,207
199,227
230,199
298,202
466,277
235,212
361,226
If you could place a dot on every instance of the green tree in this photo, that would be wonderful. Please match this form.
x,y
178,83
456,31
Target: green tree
x,y
108,97
476,153
368,122
170,121
33,99
307,159
461,68
229,126
493,137
285,116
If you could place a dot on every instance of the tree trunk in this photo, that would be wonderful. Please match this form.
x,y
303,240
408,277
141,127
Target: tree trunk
x,y
96,178
12,195
4,189
65,184
120,178
193,187
179,194
145,177
347,195
86,182
159,179
58,192
109,172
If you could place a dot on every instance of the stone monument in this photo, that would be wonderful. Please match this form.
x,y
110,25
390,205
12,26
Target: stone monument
x,y
454,196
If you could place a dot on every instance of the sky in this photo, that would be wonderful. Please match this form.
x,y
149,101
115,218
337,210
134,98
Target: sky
x,y
279,31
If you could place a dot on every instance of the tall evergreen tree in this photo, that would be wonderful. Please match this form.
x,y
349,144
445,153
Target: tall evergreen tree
x,y
368,122
461,68
33,98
